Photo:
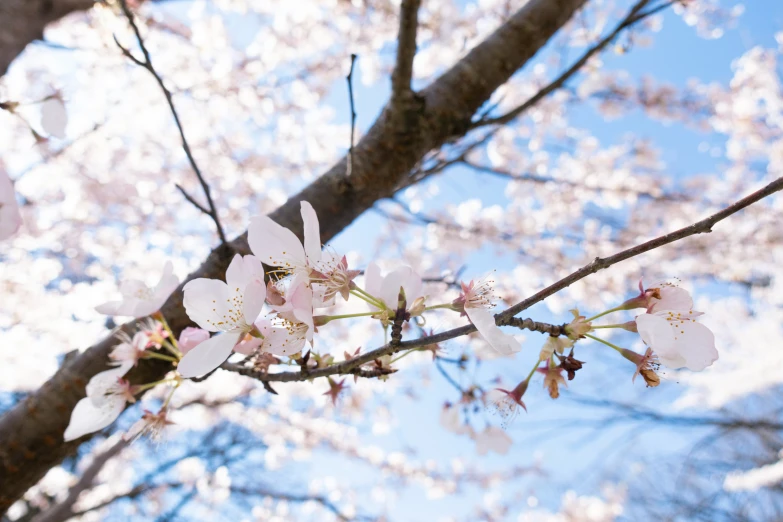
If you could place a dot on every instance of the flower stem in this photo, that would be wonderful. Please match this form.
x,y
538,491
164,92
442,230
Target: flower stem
x,y
168,399
172,345
609,326
616,309
361,294
327,318
141,387
448,306
532,371
156,355
607,343
172,349
401,356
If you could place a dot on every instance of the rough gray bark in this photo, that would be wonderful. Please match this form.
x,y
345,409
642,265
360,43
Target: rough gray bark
x,y
23,21
31,433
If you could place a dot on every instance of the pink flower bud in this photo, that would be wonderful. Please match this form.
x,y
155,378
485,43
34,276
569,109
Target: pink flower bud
x,y
190,338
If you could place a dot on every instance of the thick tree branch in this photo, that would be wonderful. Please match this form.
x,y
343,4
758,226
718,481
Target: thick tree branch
x,y
31,433
147,64
23,21
406,50
634,15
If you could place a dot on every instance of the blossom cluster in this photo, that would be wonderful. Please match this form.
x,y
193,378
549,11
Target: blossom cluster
x,y
264,315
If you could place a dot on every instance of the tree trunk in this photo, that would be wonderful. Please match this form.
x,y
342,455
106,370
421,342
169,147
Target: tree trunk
x,y
23,21
31,434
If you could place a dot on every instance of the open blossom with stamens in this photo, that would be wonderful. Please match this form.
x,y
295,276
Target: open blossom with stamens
x,y
660,296
646,366
229,307
279,337
337,281
107,394
277,246
130,350
151,424
506,403
139,300
155,333
475,301
10,218
677,339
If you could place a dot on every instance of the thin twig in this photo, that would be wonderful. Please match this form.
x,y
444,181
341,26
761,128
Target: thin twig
x,y
406,50
349,79
634,15
506,317
147,64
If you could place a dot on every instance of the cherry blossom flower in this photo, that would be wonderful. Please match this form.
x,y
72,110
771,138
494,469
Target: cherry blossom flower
x,y
278,337
275,245
677,339
155,332
229,307
294,304
492,439
646,366
150,423
476,302
10,218
507,403
130,350
578,327
191,337
660,296
387,288
139,300
107,394
554,344
338,281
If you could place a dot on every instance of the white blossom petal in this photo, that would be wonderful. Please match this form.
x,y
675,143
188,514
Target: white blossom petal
x,y
168,282
656,333
100,383
208,355
312,233
696,344
138,300
484,322
207,303
672,298
281,341
404,277
87,417
253,301
275,245
373,279
244,270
